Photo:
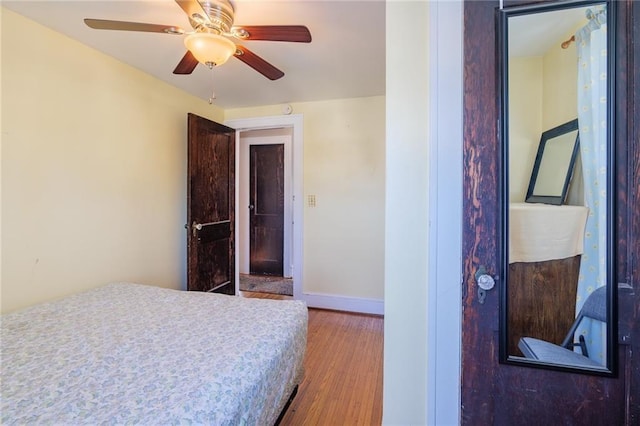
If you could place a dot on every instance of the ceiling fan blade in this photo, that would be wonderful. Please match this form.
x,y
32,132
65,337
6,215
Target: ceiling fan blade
x,y
257,63
294,33
187,64
104,24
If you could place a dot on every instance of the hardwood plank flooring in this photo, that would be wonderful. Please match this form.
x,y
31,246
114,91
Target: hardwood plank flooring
x,y
264,295
342,384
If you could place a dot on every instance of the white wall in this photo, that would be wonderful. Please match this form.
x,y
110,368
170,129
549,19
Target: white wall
x,y
344,169
93,169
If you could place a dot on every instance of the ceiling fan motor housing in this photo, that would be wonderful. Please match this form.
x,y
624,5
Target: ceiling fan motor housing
x,y
219,19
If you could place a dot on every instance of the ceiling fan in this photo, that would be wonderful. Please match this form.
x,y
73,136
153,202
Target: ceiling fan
x,y
209,42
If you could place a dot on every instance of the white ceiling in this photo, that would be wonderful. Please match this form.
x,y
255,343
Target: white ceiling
x,y
535,34
345,59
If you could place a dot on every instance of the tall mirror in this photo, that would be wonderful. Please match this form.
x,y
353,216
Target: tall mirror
x,y
557,177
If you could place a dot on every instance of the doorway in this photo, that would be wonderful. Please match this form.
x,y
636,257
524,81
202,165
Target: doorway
x,y
287,129
265,207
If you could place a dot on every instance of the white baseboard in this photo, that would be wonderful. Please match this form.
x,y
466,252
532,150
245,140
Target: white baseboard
x,y
344,303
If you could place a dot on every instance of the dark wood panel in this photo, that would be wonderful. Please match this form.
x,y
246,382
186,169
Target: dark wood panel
x,y
210,176
632,208
213,272
266,219
218,231
542,300
480,198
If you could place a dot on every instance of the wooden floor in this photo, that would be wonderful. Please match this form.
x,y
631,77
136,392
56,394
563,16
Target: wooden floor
x,y
342,384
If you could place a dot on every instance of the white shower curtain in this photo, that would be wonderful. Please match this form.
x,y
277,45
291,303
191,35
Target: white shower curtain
x,y
591,43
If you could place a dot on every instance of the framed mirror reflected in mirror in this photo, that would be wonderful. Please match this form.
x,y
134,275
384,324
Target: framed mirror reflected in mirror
x,y
558,288
553,167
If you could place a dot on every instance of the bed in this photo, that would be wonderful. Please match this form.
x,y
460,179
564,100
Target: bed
x,y
137,354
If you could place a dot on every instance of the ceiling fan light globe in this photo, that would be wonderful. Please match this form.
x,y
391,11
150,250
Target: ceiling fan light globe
x,y
210,48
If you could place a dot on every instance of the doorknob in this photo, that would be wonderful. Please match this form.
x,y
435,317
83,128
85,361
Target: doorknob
x,y
485,283
195,227
251,206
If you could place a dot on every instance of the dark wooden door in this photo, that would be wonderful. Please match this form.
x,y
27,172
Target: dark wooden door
x,y
210,206
500,394
266,209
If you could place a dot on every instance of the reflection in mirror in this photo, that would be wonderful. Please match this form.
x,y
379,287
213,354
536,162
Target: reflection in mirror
x,y
556,308
553,168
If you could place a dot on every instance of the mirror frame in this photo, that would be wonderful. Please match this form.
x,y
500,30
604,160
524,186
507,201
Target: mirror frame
x,y
502,21
548,135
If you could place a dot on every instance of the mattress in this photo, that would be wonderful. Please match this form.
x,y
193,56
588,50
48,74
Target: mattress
x,y
136,354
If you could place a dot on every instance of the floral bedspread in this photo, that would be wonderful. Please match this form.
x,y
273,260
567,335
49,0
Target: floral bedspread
x,y
136,354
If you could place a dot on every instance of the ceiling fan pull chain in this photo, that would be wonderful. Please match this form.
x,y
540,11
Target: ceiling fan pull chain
x,y
213,92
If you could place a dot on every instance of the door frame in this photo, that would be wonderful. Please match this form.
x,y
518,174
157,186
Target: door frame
x,y
242,221
294,122
444,309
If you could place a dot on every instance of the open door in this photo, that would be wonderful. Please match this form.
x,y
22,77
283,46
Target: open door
x,y
210,206
493,393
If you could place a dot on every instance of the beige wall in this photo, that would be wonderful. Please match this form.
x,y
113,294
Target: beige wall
x,y
408,220
561,81
561,102
93,169
560,85
525,121
1,133
542,95
343,167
